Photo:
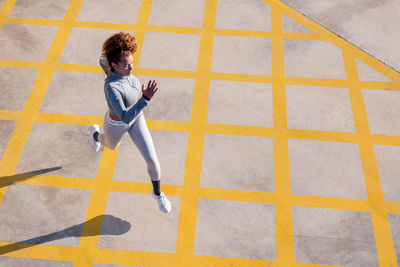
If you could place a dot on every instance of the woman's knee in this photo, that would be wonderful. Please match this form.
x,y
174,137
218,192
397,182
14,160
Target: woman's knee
x,y
153,163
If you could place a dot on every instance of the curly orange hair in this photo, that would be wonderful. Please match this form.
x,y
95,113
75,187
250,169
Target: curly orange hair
x,y
119,44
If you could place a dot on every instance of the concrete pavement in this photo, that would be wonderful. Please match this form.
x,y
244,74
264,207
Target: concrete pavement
x,y
279,142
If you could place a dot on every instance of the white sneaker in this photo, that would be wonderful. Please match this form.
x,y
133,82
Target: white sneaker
x,y
92,142
163,202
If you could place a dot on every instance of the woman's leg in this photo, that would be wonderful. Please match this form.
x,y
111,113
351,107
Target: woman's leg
x,y
141,137
113,133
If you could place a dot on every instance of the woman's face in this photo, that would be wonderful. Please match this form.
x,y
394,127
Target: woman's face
x,y
124,66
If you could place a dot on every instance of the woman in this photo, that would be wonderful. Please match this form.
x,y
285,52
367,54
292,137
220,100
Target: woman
x,y
126,100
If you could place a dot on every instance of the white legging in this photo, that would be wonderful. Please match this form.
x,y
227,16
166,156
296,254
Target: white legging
x,y
140,135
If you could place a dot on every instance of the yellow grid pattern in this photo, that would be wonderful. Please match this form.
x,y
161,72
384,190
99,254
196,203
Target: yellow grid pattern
x,y
190,192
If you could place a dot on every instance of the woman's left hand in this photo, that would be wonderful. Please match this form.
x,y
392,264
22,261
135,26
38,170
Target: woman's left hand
x,y
151,89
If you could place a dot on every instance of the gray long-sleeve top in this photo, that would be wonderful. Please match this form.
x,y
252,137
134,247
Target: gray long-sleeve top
x,y
123,95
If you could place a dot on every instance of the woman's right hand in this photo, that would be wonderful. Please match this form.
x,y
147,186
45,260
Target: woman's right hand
x,y
150,90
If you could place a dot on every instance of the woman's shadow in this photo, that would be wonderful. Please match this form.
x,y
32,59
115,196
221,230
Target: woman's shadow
x,y
8,180
110,226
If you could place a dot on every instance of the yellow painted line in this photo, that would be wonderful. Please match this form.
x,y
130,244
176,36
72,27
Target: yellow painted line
x,y
390,140
136,258
3,191
239,130
30,21
269,34
379,85
240,77
341,83
166,73
200,260
79,68
283,208
169,29
303,36
72,12
283,217
393,207
380,222
176,126
322,135
52,181
237,195
144,188
140,26
342,137
102,184
132,187
199,104
20,135
143,18
356,97
331,203
297,264
383,238
315,82
22,64
377,138
189,201
245,33
5,10
44,252
102,25
109,256
10,115
38,92
69,119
